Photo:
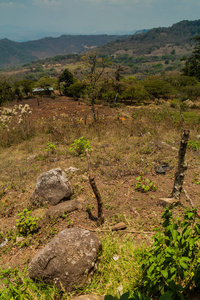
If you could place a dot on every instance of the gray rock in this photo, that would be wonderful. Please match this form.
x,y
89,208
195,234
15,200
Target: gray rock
x,y
68,260
58,210
71,169
51,187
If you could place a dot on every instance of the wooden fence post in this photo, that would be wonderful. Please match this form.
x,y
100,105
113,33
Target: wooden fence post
x,y
182,166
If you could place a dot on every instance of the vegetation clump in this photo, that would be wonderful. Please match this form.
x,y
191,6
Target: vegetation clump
x,y
171,267
26,224
145,185
79,146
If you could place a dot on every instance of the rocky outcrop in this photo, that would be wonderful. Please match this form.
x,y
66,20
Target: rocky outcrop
x,y
51,187
68,260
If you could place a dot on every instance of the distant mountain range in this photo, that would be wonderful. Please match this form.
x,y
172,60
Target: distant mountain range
x,y
178,35
155,42
18,53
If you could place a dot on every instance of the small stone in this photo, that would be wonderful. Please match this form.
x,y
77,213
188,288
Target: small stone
x,y
119,226
71,169
165,202
88,297
19,239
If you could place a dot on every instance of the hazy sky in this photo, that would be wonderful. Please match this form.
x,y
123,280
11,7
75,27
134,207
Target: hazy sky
x,y
91,16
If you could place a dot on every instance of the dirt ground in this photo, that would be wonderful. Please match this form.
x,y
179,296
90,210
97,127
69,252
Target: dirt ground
x,y
141,212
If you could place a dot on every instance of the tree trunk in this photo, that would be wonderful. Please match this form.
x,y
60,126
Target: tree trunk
x,y
93,111
182,166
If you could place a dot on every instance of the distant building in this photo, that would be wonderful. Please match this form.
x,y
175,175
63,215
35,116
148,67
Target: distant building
x,y
43,91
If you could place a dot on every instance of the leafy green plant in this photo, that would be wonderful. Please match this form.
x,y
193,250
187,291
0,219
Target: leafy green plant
x,y
79,146
18,287
50,148
144,185
26,224
193,145
172,267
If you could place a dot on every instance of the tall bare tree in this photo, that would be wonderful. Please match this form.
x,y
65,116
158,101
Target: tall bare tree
x,y
94,69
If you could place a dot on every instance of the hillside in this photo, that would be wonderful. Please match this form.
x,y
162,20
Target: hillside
x,y
156,51
179,34
18,53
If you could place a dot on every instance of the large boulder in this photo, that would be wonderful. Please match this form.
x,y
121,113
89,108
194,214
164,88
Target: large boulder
x,y
68,260
52,187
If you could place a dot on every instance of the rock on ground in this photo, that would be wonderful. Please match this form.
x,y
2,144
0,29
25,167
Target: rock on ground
x,y
68,260
58,210
51,187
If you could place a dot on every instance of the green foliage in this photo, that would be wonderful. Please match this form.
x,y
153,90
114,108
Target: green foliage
x,y
174,103
17,287
192,66
76,90
172,266
158,88
193,145
45,82
50,148
67,79
79,146
26,224
145,185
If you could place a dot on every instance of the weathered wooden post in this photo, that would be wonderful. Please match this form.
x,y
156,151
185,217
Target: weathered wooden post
x,y
182,166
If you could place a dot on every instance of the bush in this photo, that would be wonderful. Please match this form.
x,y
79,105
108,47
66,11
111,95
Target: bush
x,y
26,224
79,146
193,145
172,267
158,88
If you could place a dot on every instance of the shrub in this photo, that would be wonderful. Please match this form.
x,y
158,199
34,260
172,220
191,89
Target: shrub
x,y
172,266
79,146
144,185
193,145
26,224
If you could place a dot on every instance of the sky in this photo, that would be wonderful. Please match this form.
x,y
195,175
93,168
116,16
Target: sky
x,y
93,16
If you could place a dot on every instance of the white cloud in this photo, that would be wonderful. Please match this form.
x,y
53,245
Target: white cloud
x,y
7,4
11,4
47,2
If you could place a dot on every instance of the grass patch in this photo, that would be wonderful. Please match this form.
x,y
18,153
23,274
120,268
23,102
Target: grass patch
x,y
118,268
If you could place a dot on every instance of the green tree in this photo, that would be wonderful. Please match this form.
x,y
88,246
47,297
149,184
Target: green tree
x,y
6,92
76,89
192,65
158,88
66,78
133,90
26,85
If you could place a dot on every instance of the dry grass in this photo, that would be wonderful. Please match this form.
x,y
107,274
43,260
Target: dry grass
x,y
124,144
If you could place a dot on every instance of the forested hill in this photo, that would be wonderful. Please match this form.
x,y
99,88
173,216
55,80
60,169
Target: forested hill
x,y
179,35
17,53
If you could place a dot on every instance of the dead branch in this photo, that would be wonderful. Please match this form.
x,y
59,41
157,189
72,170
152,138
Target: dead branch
x,y
188,198
92,182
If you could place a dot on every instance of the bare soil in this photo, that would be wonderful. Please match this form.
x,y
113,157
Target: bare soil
x,y
122,203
